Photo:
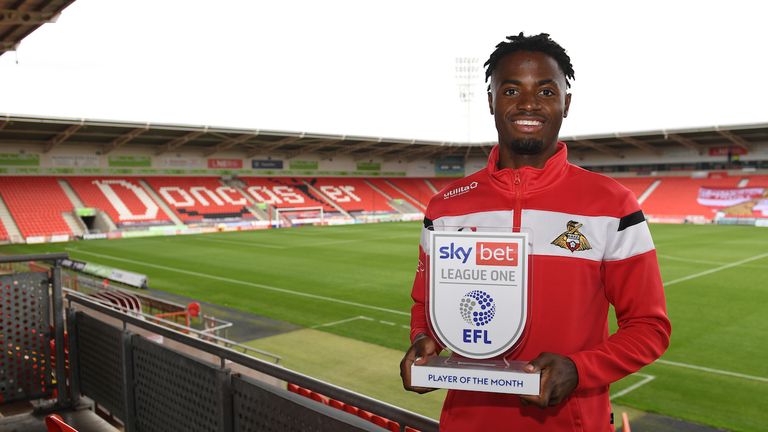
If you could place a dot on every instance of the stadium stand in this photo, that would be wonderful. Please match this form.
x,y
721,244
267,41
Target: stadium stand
x,y
440,183
637,185
124,200
3,232
386,186
417,188
198,198
676,197
283,193
36,204
352,194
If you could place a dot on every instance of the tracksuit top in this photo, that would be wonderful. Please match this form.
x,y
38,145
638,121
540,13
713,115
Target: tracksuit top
x,y
590,248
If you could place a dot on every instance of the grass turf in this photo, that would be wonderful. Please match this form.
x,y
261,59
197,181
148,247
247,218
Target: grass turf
x,y
318,276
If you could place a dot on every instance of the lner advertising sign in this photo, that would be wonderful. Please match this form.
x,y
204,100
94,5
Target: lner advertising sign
x,y
478,284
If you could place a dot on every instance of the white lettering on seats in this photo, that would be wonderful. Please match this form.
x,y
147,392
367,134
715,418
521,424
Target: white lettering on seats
x,y
225,191
123,212
197,192
166,192
276,194
342,194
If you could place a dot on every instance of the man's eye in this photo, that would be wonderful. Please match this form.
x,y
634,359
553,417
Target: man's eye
x,y
511,92
547,92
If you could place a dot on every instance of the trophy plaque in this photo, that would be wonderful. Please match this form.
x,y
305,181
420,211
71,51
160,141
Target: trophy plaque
x,y
478,308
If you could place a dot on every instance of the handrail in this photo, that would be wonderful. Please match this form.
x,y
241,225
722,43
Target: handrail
x,y
34,257
183,328
397,414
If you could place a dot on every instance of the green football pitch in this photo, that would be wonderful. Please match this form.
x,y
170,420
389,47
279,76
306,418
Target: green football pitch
x,y
352,283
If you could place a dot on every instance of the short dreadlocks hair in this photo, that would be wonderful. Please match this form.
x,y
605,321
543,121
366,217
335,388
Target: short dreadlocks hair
x,y
538,43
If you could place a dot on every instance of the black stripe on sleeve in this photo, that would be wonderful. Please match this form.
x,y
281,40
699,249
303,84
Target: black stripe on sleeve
x,y
428,224
631,219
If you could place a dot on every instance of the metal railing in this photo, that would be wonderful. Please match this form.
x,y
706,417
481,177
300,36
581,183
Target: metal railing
x,y
403,417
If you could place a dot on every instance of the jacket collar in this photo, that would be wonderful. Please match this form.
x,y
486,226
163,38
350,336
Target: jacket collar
x,y
533,180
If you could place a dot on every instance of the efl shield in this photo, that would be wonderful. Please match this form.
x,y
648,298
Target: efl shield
x,y
478,298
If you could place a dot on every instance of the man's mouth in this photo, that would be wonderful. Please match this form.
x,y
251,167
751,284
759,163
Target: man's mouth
x,y
528,125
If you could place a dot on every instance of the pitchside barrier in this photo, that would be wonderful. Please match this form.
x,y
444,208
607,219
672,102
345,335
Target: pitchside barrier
x,y
181,383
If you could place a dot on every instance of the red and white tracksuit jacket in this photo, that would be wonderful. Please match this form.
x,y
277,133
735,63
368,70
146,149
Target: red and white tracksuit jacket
x,y
613,262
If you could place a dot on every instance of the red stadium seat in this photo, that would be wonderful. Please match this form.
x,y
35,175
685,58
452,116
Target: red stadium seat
x,y
36,204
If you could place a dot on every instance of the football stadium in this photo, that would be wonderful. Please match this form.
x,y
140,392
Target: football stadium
x,y
164,276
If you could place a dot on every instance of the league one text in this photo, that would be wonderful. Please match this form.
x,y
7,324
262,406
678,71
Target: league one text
x,y
478,300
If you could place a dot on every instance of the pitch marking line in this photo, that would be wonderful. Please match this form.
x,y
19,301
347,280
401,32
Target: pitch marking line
x,y
716,269
646,379
714,371
239,282
359,317
242,243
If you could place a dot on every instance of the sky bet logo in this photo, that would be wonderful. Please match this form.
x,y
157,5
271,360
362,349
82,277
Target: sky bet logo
x,y
486,253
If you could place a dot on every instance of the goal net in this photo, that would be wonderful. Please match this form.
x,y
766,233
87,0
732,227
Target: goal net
x,y
286,217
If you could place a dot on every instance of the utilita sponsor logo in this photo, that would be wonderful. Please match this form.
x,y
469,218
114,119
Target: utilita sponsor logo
x,y
459,190
497,254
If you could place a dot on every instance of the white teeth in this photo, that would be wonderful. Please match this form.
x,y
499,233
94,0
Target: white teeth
x,y
528,122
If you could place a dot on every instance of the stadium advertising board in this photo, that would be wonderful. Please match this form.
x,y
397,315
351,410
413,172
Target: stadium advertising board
x,y
449,167
225,163
725,150
266,164
91,161
303,165
369,166
12,159
127,161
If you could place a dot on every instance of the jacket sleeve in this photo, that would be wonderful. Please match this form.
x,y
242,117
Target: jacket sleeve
x,y
419,291
632,284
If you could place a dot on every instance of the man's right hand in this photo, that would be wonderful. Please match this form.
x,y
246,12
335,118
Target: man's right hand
x,y
422,348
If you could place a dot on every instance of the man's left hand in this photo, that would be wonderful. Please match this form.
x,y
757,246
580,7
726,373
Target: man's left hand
x,y
558,379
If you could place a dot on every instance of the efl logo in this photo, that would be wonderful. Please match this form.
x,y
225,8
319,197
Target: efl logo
x,y
498,254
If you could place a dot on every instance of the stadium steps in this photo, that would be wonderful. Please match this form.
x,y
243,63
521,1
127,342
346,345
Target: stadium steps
x,y
253,207
14,235
71,194
431,186
327,200
400,205
422,207
160,202
74,223
648,191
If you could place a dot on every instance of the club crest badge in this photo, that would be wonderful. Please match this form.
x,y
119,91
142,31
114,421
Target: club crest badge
x,y
572,239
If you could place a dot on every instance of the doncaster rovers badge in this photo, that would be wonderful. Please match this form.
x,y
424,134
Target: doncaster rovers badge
x,y
572,239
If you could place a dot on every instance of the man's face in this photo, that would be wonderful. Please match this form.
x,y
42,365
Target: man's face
x,y
528,100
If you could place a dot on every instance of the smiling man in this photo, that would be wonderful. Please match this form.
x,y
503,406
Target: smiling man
x,y
590,248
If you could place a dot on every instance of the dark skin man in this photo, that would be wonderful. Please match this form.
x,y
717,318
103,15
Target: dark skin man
x,y
528,100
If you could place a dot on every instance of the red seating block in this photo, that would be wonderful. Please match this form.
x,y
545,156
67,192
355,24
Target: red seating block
x,y
197,198
123,199
283,193
36,204
352,194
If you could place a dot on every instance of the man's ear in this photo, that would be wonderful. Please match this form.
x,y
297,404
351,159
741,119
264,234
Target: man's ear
x,y
490,102
567,104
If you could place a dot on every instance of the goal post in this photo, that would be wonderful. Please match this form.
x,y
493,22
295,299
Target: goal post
x,y
289,216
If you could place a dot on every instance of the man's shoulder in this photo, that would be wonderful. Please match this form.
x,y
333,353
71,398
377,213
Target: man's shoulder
x,y
612,194
457,191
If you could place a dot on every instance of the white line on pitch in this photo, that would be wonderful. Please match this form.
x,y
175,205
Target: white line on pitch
x,y
646,379
716,269
359,317
242,243
239,282
714,371
688,260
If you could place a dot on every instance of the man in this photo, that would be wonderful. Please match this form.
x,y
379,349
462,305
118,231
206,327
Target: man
x,y
591,247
